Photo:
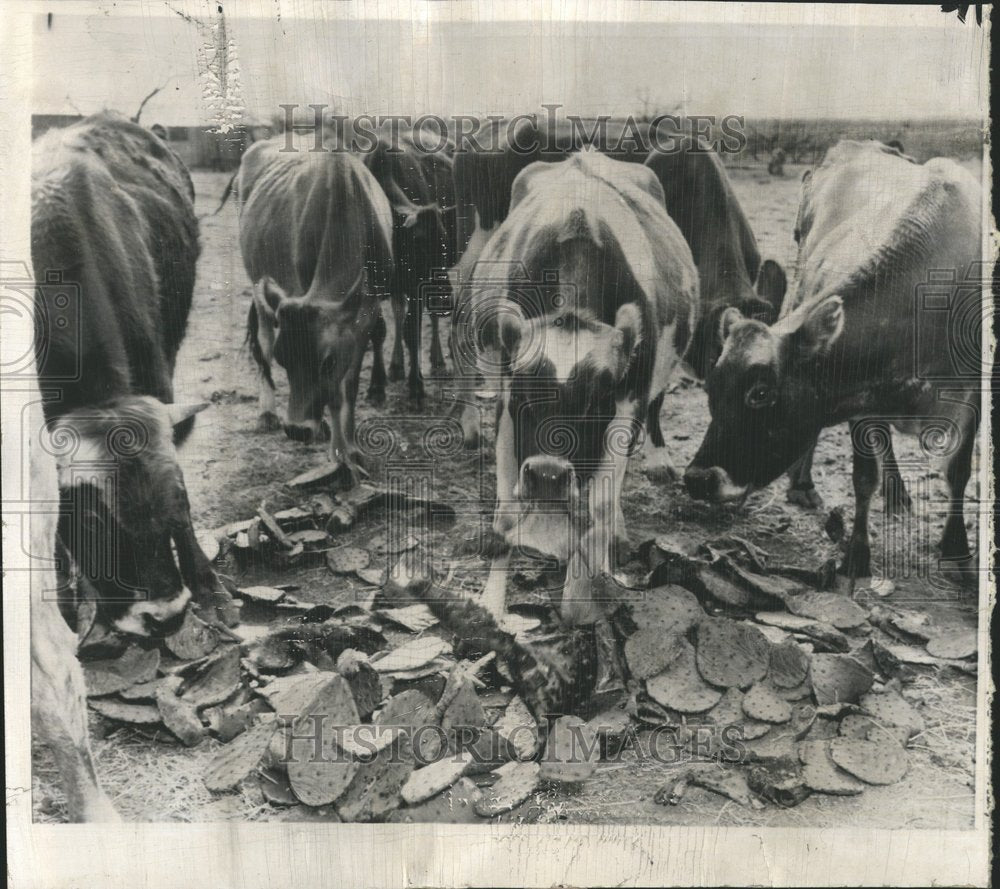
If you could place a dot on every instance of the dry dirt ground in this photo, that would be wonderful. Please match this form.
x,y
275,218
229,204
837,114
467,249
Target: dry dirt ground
x,y
230,469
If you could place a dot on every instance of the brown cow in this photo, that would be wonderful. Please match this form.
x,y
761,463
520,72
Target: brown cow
x,y
418,183
316,236
854,344
580,308
114,242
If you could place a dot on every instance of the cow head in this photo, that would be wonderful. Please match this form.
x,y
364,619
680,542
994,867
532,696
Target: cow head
x,y
125,520
765,399
566,380
762,303
421,192
319,342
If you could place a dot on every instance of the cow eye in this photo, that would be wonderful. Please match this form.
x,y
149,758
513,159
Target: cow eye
x,y
760,395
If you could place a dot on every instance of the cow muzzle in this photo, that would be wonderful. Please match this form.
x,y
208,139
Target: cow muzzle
x,y
712,484
548,479
155,617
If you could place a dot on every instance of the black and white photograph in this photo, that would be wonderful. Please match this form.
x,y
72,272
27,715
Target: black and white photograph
x,y
522,429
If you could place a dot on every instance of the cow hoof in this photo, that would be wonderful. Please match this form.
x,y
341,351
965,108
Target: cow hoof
x,y
662,474
471,439
376,397
858,562
807,498
268,421
396,373
492,545
439,367
962,573
354,472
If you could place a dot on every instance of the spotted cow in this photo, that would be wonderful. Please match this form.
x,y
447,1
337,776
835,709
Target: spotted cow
x,y
579,309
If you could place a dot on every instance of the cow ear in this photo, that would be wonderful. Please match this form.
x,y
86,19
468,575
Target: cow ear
x,y
71,439
178,413
273,294
772,284
510,329
354,293
726,321
821,327
628,324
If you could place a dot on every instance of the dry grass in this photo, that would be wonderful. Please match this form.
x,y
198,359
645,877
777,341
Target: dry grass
x,y
151,780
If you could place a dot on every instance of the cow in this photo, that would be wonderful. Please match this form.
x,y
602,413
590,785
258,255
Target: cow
x,y
699,199
580,307
316,237
416,177
853,345
114,242
801,487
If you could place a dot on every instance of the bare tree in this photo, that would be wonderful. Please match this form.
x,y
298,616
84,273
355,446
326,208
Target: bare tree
x,y
142,104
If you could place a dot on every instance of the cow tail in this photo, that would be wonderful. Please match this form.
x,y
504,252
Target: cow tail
x,y
653,429
253,326
225,197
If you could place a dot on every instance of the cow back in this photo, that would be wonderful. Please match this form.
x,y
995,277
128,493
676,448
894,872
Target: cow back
x,y
876,229
617,211
112,218
871,219
312,220
700,199
483,179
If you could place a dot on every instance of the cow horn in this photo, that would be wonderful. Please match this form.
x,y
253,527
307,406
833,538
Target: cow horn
x,y
178,413
402,205
358,281
730,316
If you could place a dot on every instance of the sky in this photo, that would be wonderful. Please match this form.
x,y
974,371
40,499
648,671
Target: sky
x,y
446,58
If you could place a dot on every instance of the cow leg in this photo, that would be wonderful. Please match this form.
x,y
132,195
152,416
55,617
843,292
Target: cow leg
x,y
260,337
897,498
593,556
657,464
590,559
376,386
955,540
343,448
801,490
622,543
494,597
437,353
59,711
466,377
865,476
412,322
399,310
339,449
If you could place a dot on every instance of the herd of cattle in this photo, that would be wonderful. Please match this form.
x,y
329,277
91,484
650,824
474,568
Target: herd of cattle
x,y
576,280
